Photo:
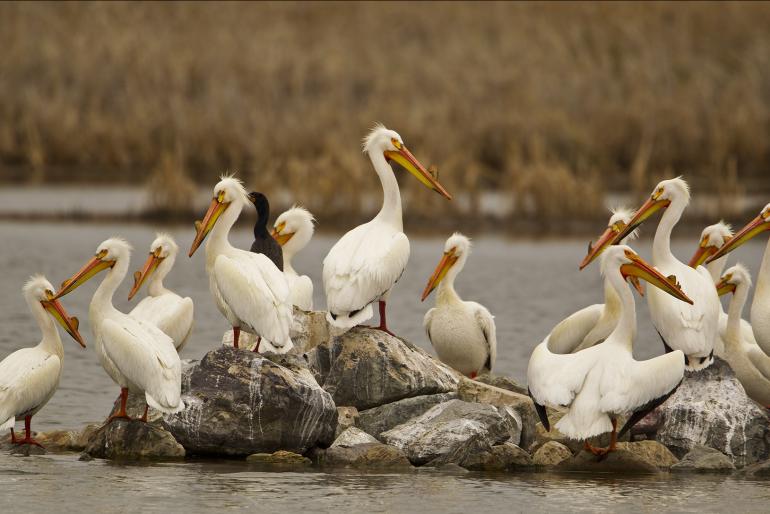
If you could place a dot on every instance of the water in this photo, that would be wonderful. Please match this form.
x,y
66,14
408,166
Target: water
x,y
528,285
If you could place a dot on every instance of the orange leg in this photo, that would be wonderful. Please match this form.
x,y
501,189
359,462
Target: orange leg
x,y
236,336
13,437
121,414
259,340
473,375
383,319
28,439
613,442
144,416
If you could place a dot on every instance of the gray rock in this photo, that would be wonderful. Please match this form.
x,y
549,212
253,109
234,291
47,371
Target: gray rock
x,y
704,459
346,418
280,458
551,454
368,456
26,450
711,409
366,368
502,382
616,462
501,457
351,437
308,330
133,440
651,452
758,470
454,430
542,437
380,419
239,403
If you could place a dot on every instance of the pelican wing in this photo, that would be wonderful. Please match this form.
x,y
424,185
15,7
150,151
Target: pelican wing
x,y
171,313
363,265
257,293
28,378
571,331
301,291
759,359
486,322
147,357
554,379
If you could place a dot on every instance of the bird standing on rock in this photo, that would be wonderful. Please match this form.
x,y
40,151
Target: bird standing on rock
x,y
293,230
264,243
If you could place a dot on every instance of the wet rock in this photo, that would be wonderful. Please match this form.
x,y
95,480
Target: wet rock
x,y
704,459
551,454
502,382
279,458
67,440
542,437
454,430
617,462
239,403
380,419
366,368
501,457
26,450
133,440
651,452
368,455
711,409
758,470
346,418
474,391
447,467
308,330
351,437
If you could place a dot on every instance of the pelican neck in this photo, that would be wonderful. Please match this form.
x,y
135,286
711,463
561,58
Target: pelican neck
x,y
102,299
661,244
391,201
625,331
155,287
219,238
734,311
51,341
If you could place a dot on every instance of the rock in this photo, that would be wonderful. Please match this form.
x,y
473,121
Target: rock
x,y
704,459
239,403
506,383
279,458
67,440
380,419
308,330
501,457
351,437
758,470
26,450
454,429
616,462
711,409
651,452
575,445
366,368
448,467
474,391
368,455
551,454
133,440
346,418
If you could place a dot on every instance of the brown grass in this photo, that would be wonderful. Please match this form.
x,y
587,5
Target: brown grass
x,y
543,100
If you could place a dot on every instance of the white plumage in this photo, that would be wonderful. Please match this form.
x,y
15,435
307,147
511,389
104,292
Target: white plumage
x,y
462,333
293,229
165,309
601,382
249,290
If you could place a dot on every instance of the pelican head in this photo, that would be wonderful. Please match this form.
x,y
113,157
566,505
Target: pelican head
x,y
735,277
228,190
39,290
388,142
618,221
162,248
107,255
711,239
753,228
630,264
293,229
456,251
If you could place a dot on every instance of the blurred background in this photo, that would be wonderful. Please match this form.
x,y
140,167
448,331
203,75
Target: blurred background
x,y
538,116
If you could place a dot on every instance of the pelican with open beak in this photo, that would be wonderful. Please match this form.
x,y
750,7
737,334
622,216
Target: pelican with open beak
x,y
462,333
29,377
602,382
364,265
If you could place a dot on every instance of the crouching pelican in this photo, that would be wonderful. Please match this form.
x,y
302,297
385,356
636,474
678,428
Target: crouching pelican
x,y
462,333
163,308
138,356
750,363
604,381
293,230
29,377
249,290
691,328
364,265
592,324
760,306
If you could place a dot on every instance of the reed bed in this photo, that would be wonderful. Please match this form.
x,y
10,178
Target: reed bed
x,y
554,104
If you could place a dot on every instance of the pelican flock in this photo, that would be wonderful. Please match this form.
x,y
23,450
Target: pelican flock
x,y
584,365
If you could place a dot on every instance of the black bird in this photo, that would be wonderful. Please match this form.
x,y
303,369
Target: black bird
x,y
263,241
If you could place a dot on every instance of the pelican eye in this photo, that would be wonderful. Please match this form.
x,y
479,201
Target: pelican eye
x,y
396,143
657,193
618,226
49,294
766,214
102,254
221,197
629,254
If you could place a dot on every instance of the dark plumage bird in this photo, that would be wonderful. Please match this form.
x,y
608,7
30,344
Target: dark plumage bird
x,y
263,241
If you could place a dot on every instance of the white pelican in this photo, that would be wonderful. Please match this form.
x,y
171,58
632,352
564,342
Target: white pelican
x,y
711,239
593,324
750,364
604,381
29,377
462,333
362,267
760,306
293,230
138,356
163,308
247,287
690,328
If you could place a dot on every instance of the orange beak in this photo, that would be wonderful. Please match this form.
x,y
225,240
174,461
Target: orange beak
x,y
150,265
753,228
607,237
701,254
70,324
281,236
724,286
447,261
91,268
408,161
216,208
638,267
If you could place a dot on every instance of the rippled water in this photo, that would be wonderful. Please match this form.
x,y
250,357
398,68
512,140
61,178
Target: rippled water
x,y
529,287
